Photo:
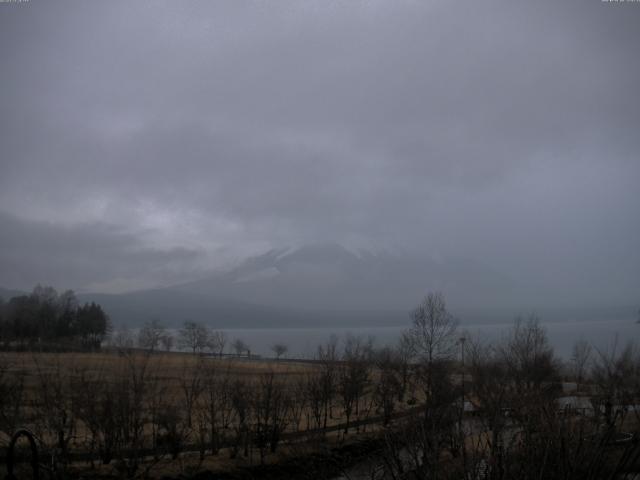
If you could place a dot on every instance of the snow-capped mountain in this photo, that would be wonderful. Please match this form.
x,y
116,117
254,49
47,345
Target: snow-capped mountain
x,y
320,285
332,277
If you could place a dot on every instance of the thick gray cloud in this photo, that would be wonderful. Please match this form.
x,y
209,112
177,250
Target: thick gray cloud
x,y
93,256
502,131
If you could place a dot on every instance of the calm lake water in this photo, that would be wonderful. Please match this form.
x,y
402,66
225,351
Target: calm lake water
x,y
303,342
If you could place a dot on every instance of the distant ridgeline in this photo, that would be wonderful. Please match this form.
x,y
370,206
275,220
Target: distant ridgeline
x,y
46,319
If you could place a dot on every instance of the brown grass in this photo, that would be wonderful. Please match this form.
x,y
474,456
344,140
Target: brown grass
x,y
169,370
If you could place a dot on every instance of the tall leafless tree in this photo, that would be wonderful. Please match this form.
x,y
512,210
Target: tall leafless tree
x,y
150,335
216,404
240,347
279,349
217,342
327,358
616,374
433,331
167,342
352,376
191,387
299,401
53,405
580,357
386,383
241,394
11,397
193,336
270,406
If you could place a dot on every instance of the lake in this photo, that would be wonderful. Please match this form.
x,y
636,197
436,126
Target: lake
x,y
303,342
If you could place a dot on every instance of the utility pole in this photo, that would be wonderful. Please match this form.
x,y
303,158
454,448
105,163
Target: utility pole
x,y
462,340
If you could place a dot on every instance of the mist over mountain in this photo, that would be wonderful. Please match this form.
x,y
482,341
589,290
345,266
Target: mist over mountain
x,y
327,284
501,162
330,285
331,277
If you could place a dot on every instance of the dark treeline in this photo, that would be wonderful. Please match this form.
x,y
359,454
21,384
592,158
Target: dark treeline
x,y
47,318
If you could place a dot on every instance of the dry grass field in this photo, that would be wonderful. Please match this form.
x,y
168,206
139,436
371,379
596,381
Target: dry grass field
x,y
176,412
136,414
166,367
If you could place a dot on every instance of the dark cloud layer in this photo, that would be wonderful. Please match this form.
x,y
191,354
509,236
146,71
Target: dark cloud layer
x,y
502,131
89,255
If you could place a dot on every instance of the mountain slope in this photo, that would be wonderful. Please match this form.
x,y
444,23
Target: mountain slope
x,y
316,285
332,277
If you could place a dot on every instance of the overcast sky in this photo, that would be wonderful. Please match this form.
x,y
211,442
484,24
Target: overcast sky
x,y
144,142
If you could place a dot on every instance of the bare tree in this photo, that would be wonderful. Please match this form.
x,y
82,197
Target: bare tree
x,y
517,431
88,396
172,417
532,374
579,360
270,406
299,401
494,391
191,386
315,394
95,399
122,338
134,387
193,336
241,396
167,341
217,342
53,405
279,349
616,374
433,333
150,335
172,429
433,337
240,347
404,353
433,340
11,397
216,406
352,376
327,357
386,383
529,357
